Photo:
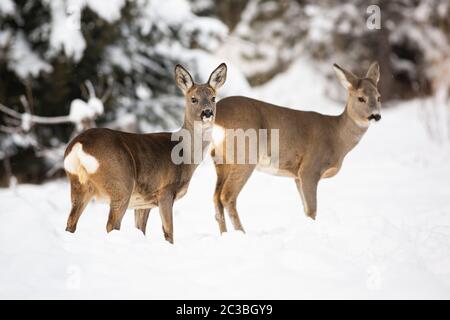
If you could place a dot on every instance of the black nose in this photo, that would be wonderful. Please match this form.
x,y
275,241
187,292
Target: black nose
x,y
376,117
207,113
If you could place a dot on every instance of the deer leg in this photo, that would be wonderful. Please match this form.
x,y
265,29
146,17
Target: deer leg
x,y
220,217
165,210
117,209
233,214
140,219
80,197
307,186
75,213
119,190
232,186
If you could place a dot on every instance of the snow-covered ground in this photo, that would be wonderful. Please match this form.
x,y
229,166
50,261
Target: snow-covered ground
x,y
383,228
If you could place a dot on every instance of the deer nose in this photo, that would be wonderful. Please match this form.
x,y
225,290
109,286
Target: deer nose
x,y
206,114
376,117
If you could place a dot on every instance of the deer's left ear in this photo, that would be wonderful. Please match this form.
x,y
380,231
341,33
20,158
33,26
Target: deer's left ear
x,y
218,77
374,72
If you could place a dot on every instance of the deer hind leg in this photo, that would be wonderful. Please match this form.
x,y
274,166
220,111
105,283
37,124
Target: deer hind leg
x,y
140,219
81,194
220,217
119,191
232,186
166,213
307,186
117,209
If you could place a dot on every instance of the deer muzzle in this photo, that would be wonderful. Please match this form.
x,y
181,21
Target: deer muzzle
x,y
207,115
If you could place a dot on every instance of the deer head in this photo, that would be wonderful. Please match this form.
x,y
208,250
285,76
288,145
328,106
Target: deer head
x,y
364,100
200,99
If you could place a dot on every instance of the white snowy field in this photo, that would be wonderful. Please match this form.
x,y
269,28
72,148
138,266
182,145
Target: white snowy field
x,y
382,231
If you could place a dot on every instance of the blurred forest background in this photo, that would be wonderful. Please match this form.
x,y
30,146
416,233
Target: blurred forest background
x,y
67,65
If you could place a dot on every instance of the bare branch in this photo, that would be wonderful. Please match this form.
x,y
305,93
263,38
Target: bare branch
x,y
33,118
11,121
10,130
50,120
108,90
90,88
30,99
25,104
10,112
84,92
107,94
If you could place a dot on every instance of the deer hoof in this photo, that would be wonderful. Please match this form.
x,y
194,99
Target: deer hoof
x,y
71,229
312,215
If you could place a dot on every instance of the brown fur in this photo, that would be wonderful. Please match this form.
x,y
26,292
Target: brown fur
x,y
312,146
136,170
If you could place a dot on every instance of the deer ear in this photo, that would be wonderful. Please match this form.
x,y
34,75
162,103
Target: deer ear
x,y
183,79
218,77
374,72
346,78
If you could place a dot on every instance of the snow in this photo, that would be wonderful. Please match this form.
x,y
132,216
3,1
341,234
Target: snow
x,y
23,61
209,32
7,7
80,110
236,83
170,15
65,29
143,92
300,87
164,15
118,57
382,231
108,10
172,12
97,105
65,32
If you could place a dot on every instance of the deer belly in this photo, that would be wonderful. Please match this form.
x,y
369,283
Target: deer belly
x,y
330,172
267,166
275,171
138,201
182,191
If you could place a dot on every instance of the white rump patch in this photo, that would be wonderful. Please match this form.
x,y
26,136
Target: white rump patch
x,y
77,157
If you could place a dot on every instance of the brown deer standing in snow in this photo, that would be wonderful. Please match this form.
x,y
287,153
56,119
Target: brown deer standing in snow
x,y
312,146
137,170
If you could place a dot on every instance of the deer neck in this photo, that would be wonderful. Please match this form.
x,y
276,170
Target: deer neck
x,y
351,128
201,136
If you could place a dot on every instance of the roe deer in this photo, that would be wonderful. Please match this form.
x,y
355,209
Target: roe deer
x,y
312,146
136,170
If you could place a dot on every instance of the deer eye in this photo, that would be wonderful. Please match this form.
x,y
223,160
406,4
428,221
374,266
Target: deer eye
x,y
194,100
361,99
213,99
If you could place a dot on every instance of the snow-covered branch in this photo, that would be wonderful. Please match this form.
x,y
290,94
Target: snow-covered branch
x,y
82,114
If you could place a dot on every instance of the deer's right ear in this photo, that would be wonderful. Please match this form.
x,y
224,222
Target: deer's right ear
x,y
346,78
183,79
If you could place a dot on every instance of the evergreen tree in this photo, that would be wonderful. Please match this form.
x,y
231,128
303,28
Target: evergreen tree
x,y
48,49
